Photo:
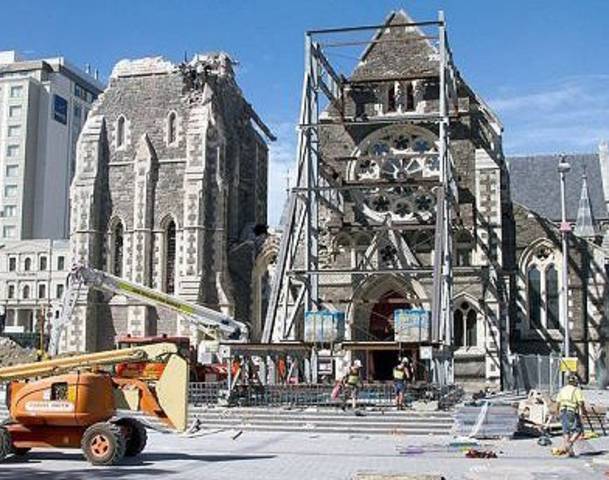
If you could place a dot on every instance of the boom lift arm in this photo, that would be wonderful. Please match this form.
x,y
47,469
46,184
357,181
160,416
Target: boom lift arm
x,y
88,360
75,402
203,318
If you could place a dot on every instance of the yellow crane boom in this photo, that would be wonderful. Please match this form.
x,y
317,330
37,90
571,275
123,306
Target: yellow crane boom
x,y
89,360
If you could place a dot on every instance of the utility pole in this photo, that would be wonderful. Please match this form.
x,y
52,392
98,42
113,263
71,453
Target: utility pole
x,y
565,228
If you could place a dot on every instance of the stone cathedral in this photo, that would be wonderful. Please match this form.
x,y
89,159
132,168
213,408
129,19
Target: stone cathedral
x,y
506,243
169,192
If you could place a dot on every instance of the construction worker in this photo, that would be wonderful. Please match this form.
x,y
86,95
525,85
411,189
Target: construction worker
x,y
352,382
571,406
401,374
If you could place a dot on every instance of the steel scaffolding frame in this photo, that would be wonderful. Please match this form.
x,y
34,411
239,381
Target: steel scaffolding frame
x,y
296,282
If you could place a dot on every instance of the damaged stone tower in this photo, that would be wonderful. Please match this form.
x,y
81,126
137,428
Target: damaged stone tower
x,y
169,192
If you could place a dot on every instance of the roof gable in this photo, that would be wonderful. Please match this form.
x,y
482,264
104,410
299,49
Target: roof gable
x,y
397,52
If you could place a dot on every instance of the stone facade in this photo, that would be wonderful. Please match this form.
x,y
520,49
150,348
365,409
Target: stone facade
x,y
169,192
507,257
371,140
33,278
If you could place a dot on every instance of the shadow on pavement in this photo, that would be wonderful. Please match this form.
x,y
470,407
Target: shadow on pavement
x,y
27,472
163,456
33,465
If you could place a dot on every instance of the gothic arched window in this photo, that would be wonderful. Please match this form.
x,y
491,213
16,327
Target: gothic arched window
x,y
171,128
117,250
120,132
534,287
458,328
170,256
553,322
543,289
465,325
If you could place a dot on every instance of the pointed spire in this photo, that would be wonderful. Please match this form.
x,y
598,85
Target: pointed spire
x,y
585,226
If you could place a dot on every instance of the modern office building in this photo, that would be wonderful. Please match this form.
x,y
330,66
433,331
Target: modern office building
x,y
43,106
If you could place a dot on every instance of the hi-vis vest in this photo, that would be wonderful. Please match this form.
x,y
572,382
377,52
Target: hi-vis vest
x,y
399,374
569,398
353,379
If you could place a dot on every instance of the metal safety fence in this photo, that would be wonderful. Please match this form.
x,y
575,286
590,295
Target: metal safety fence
x,y
207,393
538,372
371,394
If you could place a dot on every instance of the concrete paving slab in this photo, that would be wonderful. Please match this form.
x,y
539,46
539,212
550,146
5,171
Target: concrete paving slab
x,y
310,456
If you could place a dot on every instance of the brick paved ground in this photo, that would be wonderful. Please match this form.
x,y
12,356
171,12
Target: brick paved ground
x,y
306,456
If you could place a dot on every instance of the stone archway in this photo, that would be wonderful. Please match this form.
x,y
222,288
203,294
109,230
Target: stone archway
x,y
370,291
371,318
381,328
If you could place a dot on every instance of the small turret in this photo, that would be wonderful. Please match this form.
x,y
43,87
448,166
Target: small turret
x,y
585,226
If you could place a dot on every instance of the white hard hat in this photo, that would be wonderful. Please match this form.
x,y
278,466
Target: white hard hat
x,y
357,363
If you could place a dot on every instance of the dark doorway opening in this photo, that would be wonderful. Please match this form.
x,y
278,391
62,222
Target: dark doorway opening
x,y
381,362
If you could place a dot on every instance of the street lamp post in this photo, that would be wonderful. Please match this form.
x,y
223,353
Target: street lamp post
x,y
565,228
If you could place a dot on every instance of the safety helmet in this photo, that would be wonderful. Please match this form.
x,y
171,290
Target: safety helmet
x,y
405,361
357,363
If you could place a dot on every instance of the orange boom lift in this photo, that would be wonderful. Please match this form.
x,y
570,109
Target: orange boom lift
x,y
72,403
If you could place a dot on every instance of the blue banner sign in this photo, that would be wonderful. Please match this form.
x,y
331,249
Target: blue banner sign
x,y
412,325
324,326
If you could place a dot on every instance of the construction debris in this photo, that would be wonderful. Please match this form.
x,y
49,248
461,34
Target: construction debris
x,y
11,353
473,453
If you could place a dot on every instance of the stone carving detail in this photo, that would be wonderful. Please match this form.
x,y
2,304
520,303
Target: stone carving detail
x,y
396,155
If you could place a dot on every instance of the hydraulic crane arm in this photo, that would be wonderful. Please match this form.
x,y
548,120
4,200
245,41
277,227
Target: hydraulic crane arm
x,y
200,317
45,368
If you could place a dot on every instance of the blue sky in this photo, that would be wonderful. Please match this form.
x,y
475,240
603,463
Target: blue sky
x,y
541,65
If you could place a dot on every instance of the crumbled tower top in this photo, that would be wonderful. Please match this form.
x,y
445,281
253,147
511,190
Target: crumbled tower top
x,y
217,63
142,66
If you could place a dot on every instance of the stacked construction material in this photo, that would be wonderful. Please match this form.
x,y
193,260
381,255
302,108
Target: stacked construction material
x,y
485,420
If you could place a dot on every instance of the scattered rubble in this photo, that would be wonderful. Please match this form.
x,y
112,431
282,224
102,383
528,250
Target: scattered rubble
x,y
474,453
12,353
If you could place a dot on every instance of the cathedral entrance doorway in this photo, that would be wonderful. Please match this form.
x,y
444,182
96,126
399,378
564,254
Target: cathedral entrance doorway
x,y
381,329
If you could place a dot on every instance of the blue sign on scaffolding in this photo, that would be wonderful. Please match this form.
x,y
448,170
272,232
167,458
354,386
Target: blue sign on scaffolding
x,y
324,326
412,325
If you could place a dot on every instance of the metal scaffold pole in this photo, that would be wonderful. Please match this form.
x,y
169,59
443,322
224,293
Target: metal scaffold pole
x,y
324,185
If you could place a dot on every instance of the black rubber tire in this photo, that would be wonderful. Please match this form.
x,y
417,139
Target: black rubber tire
x,y
136,436
103,444
6,444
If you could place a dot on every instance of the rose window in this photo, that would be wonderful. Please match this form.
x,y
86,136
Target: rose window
x,y
393,161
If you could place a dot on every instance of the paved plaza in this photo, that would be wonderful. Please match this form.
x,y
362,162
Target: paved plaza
x,y
310,456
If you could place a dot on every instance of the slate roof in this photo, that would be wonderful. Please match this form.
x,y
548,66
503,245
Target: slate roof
x,y
535,183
